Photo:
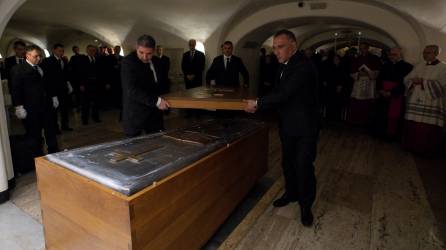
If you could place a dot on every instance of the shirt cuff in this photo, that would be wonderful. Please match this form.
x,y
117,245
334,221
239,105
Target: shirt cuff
x,y
158,102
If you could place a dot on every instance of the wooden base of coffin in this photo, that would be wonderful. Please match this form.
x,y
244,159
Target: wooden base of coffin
x,y
181,211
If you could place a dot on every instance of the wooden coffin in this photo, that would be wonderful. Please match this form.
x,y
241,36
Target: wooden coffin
x,y
181,209
210,98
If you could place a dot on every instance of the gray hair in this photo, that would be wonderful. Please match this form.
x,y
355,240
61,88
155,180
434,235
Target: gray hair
x,y
146,41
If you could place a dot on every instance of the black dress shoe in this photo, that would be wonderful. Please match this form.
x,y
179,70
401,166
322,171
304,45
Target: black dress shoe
x,y
306,216
284,200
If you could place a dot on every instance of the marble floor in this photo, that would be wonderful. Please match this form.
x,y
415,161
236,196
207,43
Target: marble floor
x,y
371,195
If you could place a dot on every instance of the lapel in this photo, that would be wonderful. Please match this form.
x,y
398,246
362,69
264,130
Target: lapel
x,y
33,72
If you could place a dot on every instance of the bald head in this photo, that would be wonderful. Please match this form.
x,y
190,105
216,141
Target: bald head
x,y
192,43
431,52
395,54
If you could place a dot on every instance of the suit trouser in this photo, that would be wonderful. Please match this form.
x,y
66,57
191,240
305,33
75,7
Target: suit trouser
x,y
154,124
64,109
298,155
34,123
197,82
89,100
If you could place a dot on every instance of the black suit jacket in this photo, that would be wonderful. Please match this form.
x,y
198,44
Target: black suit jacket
x,y
89,75
228,77
55,75
30,89
296,98
9,63
164,72
194,66
140,94
75,68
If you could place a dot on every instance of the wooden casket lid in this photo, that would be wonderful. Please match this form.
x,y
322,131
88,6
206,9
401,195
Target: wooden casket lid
x,y
210,98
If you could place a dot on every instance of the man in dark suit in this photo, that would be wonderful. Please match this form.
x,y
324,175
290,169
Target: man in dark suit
x,y
225,69
89,86
141,86
164,67
192,66
116,60
56,73
18,58
75,71
295,97
35,101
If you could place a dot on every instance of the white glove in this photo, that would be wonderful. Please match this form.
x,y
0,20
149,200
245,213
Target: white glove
x,y
55,102
20,112
70,88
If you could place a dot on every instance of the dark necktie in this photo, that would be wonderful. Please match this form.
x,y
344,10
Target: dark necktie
x,y
61,63
37,70
281,68
227,63
191,55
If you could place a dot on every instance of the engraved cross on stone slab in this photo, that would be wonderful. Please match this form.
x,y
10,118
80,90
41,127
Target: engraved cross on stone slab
x,y
132,156
191,137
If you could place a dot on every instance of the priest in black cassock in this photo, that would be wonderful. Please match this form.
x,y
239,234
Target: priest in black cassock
x,y
391,88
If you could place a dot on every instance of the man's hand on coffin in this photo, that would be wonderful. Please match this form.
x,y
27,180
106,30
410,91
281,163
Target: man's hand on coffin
x,y
190,77
251,106
163,104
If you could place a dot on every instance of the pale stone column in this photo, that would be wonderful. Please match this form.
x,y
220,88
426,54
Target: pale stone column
x,y
7,9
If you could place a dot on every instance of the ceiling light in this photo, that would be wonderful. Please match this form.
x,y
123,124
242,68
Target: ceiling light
x,y
47,54
200,47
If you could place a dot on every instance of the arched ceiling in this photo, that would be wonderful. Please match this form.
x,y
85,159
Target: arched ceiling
x,y
114,21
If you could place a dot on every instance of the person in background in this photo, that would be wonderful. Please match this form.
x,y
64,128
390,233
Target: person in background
x,y
426,111
165,67
390,103
225,69
35,101
56,73
18,58
89,87
364,71
192,65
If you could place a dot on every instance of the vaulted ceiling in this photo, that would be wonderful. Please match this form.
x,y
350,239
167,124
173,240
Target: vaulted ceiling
x,y
114,21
